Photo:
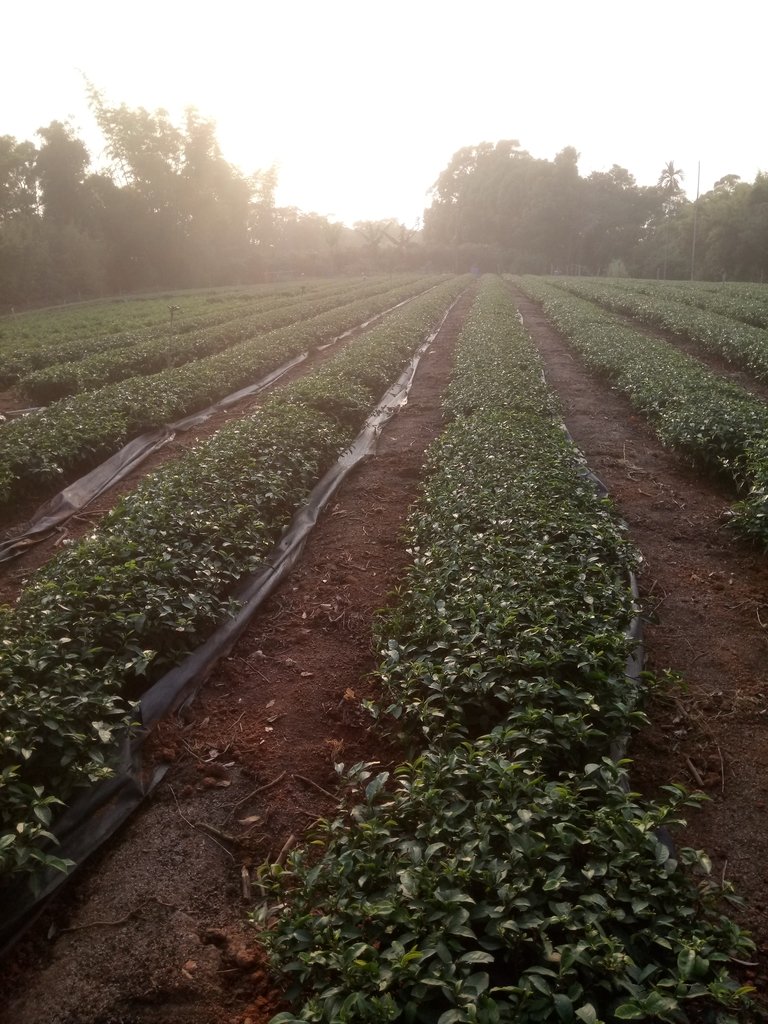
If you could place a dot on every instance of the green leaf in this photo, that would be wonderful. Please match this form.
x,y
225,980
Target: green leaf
x,y
43,813
564,1007
433,848
375,785
686,960
630,1011
476,956
451,1017
587,1014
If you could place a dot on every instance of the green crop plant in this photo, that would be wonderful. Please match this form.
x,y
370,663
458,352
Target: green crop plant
x,y
507,874
43,451
99,623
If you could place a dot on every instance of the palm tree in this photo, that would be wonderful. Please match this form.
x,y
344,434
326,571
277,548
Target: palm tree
x,y
670,178
669,183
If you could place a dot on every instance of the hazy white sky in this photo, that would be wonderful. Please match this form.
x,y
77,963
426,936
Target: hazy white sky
x,y
361,104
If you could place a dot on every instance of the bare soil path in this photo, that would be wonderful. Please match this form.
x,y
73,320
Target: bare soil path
x,y
155,929
707,594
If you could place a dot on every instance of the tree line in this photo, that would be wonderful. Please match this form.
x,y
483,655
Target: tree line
x,y
498,207
168,211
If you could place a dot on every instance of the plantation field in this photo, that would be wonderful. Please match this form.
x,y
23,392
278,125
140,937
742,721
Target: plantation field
x,y
418,813
49,448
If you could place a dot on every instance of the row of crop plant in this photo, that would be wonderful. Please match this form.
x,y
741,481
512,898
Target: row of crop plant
x,y
102,317
745,302
738,343
110,614
162,350
507,873
715,423
32,341
45,450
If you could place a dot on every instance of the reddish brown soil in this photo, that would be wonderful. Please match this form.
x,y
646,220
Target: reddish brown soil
x,y
155,929
706,595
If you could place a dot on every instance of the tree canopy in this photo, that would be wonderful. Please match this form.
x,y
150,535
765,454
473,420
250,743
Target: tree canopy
x,y
168,210
498,207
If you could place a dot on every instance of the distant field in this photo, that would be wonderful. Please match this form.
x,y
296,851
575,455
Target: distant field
x,y
111,388
110,316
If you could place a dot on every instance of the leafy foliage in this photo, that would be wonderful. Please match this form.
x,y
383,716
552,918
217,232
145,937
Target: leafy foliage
x,y
162,349
45,449
745,302
36,340
480,889
104,619
499,206
717,424
675,310
506,874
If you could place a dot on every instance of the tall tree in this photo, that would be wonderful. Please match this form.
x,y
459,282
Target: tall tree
x,y
60,167
756,228
145,149
525,211
402,238
18,179
670,178
214,201
671,190
200,216
616,213
374,234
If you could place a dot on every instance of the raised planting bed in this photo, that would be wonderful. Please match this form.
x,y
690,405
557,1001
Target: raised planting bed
x,y
163,349
38,339
738,343
46,449
98,624
715,424
507,873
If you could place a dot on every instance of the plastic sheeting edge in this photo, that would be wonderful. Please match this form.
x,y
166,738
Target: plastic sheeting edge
x,y
99,813
79,494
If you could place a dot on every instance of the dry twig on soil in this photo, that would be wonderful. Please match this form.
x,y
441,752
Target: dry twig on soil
x,y
287,847
196,827
118,920
318,787
260,789
694,771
